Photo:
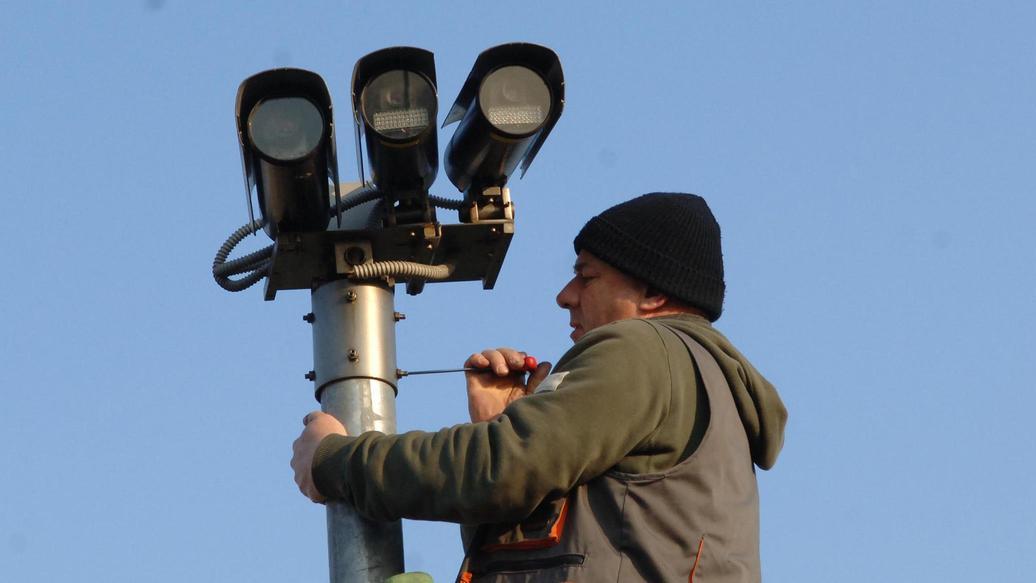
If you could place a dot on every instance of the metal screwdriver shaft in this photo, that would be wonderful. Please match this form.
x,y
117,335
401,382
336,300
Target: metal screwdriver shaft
x,y
405,373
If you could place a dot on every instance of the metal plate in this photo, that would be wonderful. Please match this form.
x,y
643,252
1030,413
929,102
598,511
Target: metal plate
x,y
476,251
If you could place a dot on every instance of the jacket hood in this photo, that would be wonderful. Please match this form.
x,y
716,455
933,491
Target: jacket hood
x,y
760,407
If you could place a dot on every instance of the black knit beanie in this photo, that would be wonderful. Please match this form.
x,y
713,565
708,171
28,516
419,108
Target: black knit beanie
x,y
668,240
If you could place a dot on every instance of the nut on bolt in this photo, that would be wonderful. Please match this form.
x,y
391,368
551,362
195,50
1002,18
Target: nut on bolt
x,y
350,296
311,375
309,317
353,355
397,316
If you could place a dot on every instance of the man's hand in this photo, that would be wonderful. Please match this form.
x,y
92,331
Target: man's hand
x,y
502,382
317,426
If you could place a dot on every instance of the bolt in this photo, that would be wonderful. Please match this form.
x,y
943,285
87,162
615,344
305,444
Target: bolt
x,y
311,375
353,355
350,296
399,316
309,317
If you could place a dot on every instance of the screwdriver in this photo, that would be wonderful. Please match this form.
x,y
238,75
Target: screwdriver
x,y
529,366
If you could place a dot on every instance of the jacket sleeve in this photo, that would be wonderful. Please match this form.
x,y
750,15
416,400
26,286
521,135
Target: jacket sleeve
x,y
615,394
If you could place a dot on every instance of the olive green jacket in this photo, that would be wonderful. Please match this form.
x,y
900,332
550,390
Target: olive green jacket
x,y
621,405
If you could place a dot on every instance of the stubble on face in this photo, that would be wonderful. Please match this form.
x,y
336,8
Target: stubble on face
x,y
598,294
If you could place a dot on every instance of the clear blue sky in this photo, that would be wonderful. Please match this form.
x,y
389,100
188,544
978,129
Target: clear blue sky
x,y
871,163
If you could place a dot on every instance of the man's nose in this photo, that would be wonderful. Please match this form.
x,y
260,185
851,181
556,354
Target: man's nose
x,y
566,298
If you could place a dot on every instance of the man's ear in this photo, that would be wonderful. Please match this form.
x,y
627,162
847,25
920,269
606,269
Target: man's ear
x,y
653,300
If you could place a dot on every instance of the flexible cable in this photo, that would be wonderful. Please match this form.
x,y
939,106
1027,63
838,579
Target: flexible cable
x,y
401,269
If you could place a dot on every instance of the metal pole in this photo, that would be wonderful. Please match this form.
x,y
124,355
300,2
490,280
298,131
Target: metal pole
x,y
354,353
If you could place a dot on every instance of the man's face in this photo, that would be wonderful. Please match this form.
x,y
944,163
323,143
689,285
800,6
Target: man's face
x,y
599,294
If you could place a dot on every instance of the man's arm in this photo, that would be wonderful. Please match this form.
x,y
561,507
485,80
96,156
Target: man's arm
x,y
490,390
615,394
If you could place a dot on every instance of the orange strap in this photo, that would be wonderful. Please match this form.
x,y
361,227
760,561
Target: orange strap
x,y
697,557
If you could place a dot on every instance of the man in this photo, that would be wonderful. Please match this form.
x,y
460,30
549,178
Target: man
x,y
632,461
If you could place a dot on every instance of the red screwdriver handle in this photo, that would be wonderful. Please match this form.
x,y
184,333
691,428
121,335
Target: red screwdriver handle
x,y
530,363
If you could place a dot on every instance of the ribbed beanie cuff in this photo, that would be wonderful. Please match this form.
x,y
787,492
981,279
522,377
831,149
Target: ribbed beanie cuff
x,y
670,241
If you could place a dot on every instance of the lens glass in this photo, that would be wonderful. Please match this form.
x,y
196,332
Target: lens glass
x,y
515,100
286,128
398,104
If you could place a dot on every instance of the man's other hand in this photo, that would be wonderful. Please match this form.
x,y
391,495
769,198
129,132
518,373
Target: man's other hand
x,y
317,426
502,382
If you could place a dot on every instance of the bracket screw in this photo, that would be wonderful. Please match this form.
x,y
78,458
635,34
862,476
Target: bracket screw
x,y
309,317
397,316
350,296
311,375
353,355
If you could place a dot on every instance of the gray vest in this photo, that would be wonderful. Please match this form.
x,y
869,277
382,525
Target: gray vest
x,y
697,521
